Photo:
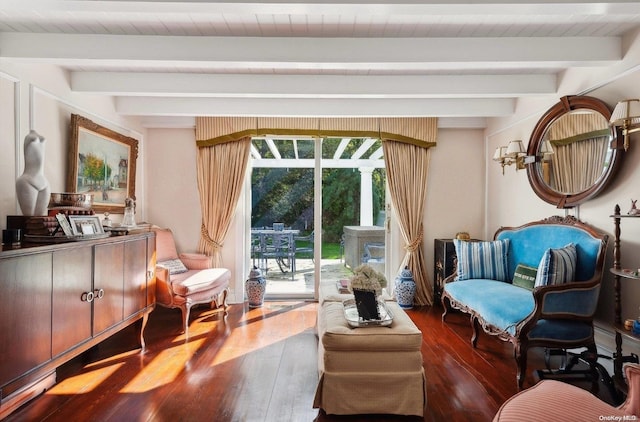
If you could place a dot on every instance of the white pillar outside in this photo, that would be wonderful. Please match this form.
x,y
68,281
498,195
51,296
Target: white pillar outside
x,y
366,196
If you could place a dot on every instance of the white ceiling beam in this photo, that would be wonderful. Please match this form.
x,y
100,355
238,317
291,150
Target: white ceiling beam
x,y
310,53
442,107
360,7
311,86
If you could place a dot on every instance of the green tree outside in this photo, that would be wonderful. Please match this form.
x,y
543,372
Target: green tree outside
x,y
286,194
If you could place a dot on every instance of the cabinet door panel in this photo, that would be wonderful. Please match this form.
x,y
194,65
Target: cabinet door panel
x,y
151,270
108,277
135,276
71,315
25,319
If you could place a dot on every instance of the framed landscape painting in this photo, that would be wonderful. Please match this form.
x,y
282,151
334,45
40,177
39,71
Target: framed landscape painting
x,y
102,162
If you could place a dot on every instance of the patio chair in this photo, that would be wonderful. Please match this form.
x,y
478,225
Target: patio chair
x,y
304,245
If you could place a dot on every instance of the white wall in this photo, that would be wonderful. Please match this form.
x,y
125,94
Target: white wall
x,y
511,201
44,102
456,192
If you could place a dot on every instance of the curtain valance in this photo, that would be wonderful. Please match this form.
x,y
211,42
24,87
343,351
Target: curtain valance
x,y
420,131
579,123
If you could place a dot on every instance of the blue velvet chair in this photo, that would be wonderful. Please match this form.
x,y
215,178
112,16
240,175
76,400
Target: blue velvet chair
x,y
558,316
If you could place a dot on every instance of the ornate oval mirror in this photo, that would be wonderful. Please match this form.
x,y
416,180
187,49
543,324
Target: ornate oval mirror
x,y
576,152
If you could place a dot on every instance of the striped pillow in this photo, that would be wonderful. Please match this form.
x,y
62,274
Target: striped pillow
x,y
557,266
482,259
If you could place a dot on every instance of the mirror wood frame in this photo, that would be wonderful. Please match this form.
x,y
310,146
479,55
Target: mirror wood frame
x,y
565,105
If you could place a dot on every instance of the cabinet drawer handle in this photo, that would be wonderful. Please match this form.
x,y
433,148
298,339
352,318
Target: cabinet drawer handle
x,y
87,297
98,293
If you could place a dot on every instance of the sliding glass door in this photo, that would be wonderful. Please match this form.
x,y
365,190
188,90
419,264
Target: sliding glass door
x,y
305,193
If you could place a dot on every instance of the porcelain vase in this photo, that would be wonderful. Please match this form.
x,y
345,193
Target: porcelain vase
x,y
405,289
255,287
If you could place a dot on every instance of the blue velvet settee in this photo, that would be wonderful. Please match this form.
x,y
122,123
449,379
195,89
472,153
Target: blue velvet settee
x,y
536,285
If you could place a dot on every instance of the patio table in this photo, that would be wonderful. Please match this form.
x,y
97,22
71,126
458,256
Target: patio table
x,y
275,244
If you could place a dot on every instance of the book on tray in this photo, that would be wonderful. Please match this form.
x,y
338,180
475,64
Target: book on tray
x,y
343,285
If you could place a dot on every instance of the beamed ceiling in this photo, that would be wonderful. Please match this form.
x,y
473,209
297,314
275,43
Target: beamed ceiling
x,y
462,61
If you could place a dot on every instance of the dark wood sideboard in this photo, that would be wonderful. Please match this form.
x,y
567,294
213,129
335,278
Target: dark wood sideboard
x,y
59,300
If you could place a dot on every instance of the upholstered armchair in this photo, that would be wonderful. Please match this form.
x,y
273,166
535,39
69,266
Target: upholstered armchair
x,y
551,400
184,280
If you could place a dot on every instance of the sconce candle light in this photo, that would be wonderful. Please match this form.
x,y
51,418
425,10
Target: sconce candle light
x,y
514,153
627,116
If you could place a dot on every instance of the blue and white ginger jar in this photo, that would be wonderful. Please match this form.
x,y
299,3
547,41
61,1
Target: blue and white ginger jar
x,y
255,287
405,289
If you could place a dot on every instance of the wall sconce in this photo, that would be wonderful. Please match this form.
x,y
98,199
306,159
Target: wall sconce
x,y
627,116
514,153
546,150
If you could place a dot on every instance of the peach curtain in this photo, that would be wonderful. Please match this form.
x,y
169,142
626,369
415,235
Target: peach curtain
x,y
221,172
406,145
580,142
407,170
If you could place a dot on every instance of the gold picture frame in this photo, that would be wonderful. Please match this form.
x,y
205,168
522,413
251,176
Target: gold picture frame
x,y
101,162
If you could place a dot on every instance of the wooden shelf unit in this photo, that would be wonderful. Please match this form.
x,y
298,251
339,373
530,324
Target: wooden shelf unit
x,y
620,332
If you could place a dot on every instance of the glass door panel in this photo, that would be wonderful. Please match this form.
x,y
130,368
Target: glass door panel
x,y
294,215
353,182
282,212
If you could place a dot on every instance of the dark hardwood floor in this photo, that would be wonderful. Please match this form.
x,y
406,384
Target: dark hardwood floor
x,y
261,365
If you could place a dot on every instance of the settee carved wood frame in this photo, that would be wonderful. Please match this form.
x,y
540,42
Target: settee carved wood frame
x,y
520,339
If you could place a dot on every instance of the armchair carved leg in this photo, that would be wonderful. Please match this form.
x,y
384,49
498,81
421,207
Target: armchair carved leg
x,y
474,326
186,310
445,306
520,354
217,302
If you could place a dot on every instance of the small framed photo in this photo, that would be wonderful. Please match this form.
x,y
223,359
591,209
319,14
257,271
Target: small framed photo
x,y
83,225
64,224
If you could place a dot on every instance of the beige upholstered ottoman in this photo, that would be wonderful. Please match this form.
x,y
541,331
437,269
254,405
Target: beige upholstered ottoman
x,y
369,370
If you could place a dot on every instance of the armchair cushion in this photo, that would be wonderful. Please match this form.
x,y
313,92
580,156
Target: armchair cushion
x,y
557,266
175,266
193,281
502,305
196,261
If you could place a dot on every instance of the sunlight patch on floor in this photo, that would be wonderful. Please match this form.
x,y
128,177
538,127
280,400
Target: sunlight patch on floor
x,y
259,331
86,381
157,373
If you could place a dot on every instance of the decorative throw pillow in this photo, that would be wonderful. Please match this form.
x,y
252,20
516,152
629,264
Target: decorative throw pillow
x,y
557,266
525,276
175,266
482,259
